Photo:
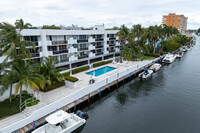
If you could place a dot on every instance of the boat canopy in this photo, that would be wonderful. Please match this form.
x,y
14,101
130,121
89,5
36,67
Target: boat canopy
x,y
145,69
57,117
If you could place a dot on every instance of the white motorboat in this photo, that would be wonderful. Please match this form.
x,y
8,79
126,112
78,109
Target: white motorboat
x,y
145,74
189,48
169,58
61,122
155,67
183,48
179,54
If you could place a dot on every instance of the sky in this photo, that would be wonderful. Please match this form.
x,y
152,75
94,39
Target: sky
x,y
88,13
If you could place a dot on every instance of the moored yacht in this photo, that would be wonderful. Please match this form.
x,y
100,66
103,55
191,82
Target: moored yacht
x,y
61,122
155,67
145,74
179,54
183,48
169,58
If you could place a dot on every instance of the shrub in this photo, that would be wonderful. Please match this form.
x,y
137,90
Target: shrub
x,y
53,86
30,102
101,63
80,69
152,55
71,78
66,74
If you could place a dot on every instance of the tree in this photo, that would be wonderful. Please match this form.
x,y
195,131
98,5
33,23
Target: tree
x,y
153,36
26,77
50,27
49,71
19,24
10,40
123,35
7,80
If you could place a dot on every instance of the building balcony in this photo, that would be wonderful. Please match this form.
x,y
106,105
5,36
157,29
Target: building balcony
x,y
72,41
55,42
117,49
72,50
99,53
82,56
99,46
91,39
112,38
99,39
36,54
112,44
60,51
117,44
83,48
111,51
91,47
82,40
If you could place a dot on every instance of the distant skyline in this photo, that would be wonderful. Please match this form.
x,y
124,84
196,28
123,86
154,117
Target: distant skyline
x,y
88,13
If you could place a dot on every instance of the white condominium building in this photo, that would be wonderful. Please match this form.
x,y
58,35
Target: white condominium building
x,y
72,48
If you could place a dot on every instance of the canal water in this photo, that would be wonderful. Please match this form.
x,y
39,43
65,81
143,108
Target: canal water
x,y
168,102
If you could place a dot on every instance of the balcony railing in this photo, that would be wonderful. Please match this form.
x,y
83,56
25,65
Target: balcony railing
x,y
99,46
60,61
60,51
83,48
59,42
99,53
98,39
82,40
37,54
112,44
112,38
111,51
82,56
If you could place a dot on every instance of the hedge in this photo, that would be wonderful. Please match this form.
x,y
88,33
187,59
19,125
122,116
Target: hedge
x,y
153,55
66,74
53,86
80,69
101,63
71,78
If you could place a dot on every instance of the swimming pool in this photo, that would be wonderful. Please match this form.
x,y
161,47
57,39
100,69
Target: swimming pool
x,y
101,71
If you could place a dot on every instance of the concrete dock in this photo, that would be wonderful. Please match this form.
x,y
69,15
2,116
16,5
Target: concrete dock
x,y
66,98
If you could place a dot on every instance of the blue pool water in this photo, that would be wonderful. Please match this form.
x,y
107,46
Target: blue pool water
x,y
101,71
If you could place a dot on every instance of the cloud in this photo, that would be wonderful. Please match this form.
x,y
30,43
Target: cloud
x,y
88,13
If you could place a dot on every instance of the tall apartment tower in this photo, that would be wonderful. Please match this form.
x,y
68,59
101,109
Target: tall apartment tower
x,y
178,21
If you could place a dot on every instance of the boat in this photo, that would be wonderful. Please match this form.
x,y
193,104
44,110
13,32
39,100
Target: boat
x,y
183,48
155,67
145,74
189,48
179,54
169,58
61,122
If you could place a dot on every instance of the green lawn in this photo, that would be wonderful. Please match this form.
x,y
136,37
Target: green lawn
x,y
8,108
143,57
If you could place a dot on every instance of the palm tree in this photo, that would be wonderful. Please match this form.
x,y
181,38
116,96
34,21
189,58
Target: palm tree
x,y
49,71
10,40
7,80
21,25
153,35
123,35
26,77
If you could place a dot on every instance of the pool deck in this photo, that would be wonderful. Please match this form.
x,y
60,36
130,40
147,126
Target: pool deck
x,y
57,94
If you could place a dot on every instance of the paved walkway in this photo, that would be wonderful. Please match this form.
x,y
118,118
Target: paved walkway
x,y
56,94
